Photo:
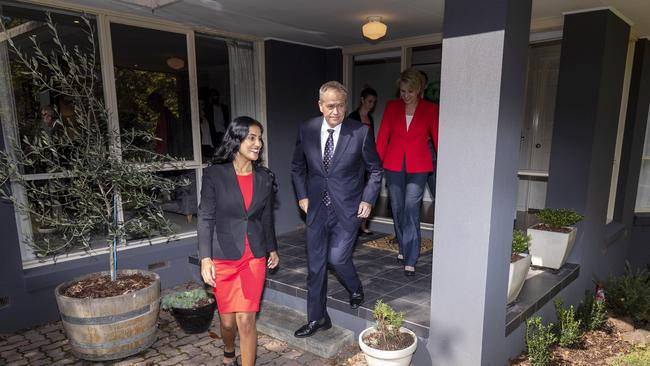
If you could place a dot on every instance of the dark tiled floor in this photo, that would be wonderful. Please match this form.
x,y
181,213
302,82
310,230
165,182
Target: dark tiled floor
x,y
380,274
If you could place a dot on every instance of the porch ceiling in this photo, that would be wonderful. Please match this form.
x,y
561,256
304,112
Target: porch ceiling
x,y
338,22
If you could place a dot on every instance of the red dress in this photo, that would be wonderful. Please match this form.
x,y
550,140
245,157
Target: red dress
x,y
239,283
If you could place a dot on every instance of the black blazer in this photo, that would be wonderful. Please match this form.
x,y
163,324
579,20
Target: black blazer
x,y
223,219
355,115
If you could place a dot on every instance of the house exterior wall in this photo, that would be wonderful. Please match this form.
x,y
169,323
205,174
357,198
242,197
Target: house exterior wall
x,y
294,73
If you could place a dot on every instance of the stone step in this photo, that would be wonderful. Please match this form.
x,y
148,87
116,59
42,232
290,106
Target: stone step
x,y
281,322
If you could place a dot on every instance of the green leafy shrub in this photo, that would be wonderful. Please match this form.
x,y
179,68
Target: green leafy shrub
x,y
185,299
592,313
558,217
639,357
520,242
539,339
388,336
629,294
568,329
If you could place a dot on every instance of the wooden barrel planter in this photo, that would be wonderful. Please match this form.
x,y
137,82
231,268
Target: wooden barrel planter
x,y
113,327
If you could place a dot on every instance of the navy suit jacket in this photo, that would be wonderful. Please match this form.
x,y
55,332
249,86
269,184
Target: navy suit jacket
x,y
354,155
224,221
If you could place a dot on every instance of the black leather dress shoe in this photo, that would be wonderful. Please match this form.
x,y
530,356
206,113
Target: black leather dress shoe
x,y
312,327
408,273
400,261
356,298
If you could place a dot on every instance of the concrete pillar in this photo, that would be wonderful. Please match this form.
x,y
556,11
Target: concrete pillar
x,y
485,48
590,85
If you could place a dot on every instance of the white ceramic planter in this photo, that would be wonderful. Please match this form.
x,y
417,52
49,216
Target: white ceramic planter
x,y
517,276
550,249
377,357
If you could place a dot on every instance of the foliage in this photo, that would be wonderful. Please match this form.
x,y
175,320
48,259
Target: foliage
x,y
592,313
629,294
539,339
388,322
558,217
90,179
520,242
568,329
639,357
184,299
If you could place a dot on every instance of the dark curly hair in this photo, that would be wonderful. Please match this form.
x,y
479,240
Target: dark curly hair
x,y
236,132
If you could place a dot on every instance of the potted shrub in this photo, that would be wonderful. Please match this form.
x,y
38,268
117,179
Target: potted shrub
x,y
388,343
519,264
552,239
111,314
193,309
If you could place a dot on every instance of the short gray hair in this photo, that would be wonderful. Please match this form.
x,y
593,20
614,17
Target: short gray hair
x,y
332,85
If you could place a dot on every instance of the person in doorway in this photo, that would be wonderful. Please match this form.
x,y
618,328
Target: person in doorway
x,y
402,146
165,123
330,160
49,123
363,114
236,233
218,115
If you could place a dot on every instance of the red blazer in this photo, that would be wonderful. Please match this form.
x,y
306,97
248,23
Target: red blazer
x,y
394,142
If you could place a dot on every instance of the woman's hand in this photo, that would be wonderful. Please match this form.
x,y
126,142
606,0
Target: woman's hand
x,y
207,271
273,260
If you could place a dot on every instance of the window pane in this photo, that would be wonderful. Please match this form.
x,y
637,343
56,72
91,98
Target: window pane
x,y
214,91
643,194
152,86
179,210
44,115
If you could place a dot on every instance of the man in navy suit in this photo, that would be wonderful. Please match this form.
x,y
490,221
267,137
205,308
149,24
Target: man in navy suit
x,y
331,158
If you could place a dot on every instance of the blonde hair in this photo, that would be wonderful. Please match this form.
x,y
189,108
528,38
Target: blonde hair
x,y
413,79
332,85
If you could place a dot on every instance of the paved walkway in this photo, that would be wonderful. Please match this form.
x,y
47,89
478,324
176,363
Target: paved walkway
x,y
47,345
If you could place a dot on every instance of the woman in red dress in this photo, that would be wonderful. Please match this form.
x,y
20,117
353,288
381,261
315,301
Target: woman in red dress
x,y
236,234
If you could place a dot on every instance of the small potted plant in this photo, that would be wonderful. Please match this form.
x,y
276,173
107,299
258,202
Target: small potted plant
x,y
193,309
388,343
519,264
552,239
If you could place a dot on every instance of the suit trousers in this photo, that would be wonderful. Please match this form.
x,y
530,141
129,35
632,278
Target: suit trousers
x,y
328,242
406,191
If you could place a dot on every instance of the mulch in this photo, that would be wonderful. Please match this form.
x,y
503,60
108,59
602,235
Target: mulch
x,y
598,348
101,286
389,243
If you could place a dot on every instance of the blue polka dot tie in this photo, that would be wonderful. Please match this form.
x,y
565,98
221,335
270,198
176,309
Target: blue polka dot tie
x,y
327,158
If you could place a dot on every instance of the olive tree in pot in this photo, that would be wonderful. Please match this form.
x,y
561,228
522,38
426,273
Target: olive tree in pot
x,y
388,343
110,314
193,309
553,238
519,264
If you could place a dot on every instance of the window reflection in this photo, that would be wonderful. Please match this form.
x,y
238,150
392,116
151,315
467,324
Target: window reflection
x,y
152,86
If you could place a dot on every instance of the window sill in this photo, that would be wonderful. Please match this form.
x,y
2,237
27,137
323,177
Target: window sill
x,y
641,219
541,286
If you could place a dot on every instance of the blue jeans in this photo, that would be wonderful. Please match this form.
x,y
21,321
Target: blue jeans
x,y
406,191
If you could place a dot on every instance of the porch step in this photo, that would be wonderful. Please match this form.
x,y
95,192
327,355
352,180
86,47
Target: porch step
x,y
281,322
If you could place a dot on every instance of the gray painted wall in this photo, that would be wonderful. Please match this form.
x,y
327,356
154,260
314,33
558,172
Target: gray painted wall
x,y
484,62
294,73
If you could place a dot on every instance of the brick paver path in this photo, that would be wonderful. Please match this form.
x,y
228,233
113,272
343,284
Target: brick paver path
x,y
47,345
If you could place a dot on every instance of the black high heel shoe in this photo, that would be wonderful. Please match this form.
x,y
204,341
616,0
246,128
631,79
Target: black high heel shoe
x,y
399,260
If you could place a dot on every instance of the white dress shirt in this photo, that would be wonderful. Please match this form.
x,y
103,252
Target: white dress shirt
x,y
324,135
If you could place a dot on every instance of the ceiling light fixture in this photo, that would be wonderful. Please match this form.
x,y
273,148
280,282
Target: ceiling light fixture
x,y
374,29
175,63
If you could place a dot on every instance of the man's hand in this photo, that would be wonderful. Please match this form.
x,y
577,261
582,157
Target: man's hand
x,y
207,271
304,203
364,210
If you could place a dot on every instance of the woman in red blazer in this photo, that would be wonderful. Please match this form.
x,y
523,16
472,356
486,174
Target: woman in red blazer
x,y
403,148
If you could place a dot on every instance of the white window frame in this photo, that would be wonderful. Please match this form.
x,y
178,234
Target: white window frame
x,y
103,19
